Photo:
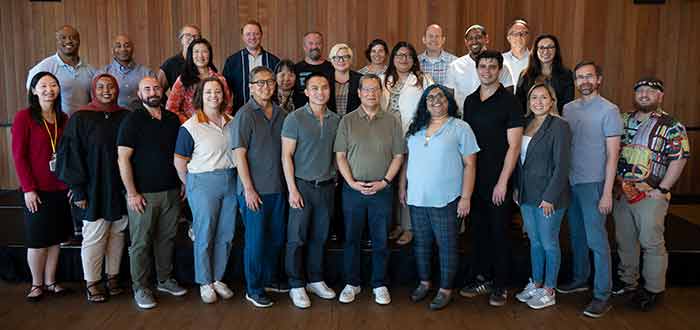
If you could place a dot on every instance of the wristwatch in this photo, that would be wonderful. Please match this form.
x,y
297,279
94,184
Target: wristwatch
x,y
662,190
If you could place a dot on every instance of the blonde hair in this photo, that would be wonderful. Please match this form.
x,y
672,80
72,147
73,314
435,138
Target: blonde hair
x,y
338,47
553,110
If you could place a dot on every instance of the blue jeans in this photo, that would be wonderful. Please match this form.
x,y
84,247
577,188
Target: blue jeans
x,y
212,198
377,211
587,229
264,240
543,232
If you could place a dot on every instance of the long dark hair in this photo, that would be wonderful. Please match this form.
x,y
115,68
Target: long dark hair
x,y
198,99
534,66
33,100
190,74
391,69
422,117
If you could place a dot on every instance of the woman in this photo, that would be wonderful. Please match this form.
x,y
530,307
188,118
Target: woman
x,y
441,153
546,67
376,55
286,78
344,97
543,191
87,163
198,66
36,132
404,84
204,162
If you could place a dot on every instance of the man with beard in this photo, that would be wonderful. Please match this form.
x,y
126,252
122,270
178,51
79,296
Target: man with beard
x,y
654,151
127,72
462,77
595,146
313,62
435,60
145,146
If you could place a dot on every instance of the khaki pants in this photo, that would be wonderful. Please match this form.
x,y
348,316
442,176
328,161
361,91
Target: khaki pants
x,y
642,224
103,242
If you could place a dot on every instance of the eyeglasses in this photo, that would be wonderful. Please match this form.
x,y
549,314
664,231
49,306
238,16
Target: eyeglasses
x,y
190,36
521,34
435,98
263,83
370,90
402,57
545,48
343,58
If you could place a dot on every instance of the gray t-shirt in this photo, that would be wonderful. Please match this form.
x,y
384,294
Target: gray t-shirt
x,y
262,138
313,156
591,123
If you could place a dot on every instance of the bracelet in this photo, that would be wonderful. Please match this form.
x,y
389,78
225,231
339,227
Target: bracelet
x,y
386,180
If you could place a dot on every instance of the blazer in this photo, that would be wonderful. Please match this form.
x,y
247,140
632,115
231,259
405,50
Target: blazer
x,y
545,173
237,74
353,96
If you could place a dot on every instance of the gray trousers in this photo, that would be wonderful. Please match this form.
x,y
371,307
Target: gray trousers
x,y
642,225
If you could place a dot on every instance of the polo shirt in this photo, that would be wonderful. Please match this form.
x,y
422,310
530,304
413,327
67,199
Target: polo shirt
x,y
463,78
313,156
128,78
490,119
75,81
153,143
205,145
436,67
591,122
445,149
516,65
370,144
262,138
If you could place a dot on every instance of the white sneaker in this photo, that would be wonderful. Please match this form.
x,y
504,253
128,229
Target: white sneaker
x,y
299,297
381,295
348,294
321,289
527,293
542,299
207,293
222,290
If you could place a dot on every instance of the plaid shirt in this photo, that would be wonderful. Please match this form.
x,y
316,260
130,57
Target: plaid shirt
x,y
437,68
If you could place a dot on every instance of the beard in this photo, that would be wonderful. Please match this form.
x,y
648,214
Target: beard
x,y
587,88
646,108
153,101
315,54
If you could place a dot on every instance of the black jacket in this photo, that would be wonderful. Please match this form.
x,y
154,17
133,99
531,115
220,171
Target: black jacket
x,y
562,82
353,96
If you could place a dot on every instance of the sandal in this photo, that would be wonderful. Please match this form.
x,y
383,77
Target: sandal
x,y
405,238
113,286
395,233
95,293
57,290
38,297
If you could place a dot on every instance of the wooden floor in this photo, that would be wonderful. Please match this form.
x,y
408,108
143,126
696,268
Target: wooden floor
x,y
678,311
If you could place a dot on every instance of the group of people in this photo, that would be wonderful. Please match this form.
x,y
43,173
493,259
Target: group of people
x,y
407,147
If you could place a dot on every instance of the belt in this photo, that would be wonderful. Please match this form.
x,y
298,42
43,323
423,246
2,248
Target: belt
x,y
318,183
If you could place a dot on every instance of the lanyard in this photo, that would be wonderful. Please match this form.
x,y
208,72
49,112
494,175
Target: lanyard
x,y
54,138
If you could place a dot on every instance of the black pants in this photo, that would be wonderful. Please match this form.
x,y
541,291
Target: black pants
x,y
490,241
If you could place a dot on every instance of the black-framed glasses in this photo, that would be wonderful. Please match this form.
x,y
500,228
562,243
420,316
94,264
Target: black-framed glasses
x,y
439,97
402,56
520,34
343,58
262,83
544,48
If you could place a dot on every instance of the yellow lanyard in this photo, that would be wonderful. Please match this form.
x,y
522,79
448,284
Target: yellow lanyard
x,y
54,138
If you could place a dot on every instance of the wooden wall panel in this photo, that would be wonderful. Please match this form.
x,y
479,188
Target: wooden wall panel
x,y
628,40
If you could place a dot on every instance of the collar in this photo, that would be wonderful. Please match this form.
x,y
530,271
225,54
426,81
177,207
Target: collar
x,y
60,61
364,115
442,57
245,51
308,110
202,117
121,67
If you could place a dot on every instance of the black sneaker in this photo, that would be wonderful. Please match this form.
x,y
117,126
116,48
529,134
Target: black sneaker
x,y
572,287
620,288
419,293
476,288
498,297
597,308
440,301
259,300
645,300
280,287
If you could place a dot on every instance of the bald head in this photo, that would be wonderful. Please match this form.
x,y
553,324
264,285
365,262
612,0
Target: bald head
x,y
123,49
434,39
67,41
150,93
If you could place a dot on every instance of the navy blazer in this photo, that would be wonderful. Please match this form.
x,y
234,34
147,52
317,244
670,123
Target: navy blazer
x,y
237,74
545,173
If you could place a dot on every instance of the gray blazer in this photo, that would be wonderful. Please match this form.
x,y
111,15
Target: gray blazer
x,y
545,173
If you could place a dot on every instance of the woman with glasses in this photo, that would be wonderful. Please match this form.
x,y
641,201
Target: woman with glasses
x,y
546,67
376,55
344,96
441,153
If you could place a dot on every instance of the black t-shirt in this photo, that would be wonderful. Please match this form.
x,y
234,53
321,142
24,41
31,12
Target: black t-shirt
x,y
153,142
490,121
303,70
173,67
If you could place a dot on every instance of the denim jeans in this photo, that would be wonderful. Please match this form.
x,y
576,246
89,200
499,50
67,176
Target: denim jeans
x,y
543,232
264,241
377,211
212,198
587,229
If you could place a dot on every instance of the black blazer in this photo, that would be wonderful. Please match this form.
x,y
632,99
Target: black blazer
x,y
562,82
545,173
353,96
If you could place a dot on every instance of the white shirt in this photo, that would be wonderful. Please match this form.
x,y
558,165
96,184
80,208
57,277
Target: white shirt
x,y
408,100
464,80
516,65
523,148
254,61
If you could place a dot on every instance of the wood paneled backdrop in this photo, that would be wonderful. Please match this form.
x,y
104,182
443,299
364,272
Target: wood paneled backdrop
x,y
628,40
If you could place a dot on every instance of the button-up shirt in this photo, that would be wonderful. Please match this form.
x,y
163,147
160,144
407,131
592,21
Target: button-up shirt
x,y
515,64
436,67
128,77
75,81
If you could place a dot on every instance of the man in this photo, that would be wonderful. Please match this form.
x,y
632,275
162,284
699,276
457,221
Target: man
x,y
74,76
369,150
238,66
595,146
173,66
257,143
307,158
518,57
145,146
127,72
462,75
494,115
435,60
654,151
313,62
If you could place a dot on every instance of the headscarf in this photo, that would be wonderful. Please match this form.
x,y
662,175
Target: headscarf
x,y
95,105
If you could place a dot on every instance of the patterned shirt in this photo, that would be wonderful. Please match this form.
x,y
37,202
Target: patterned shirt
x,y
649,146
395,92
366,70
181,97
341,97
436,67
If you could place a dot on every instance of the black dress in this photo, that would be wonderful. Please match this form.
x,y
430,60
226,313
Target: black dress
x,y
87,163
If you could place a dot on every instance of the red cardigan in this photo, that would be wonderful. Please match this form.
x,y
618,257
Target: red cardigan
x,y
31,150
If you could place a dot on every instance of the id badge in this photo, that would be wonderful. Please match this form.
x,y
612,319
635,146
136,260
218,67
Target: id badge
x,y
52,163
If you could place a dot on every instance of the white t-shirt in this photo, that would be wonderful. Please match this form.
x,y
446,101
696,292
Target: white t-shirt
x,y
464,80
523,148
